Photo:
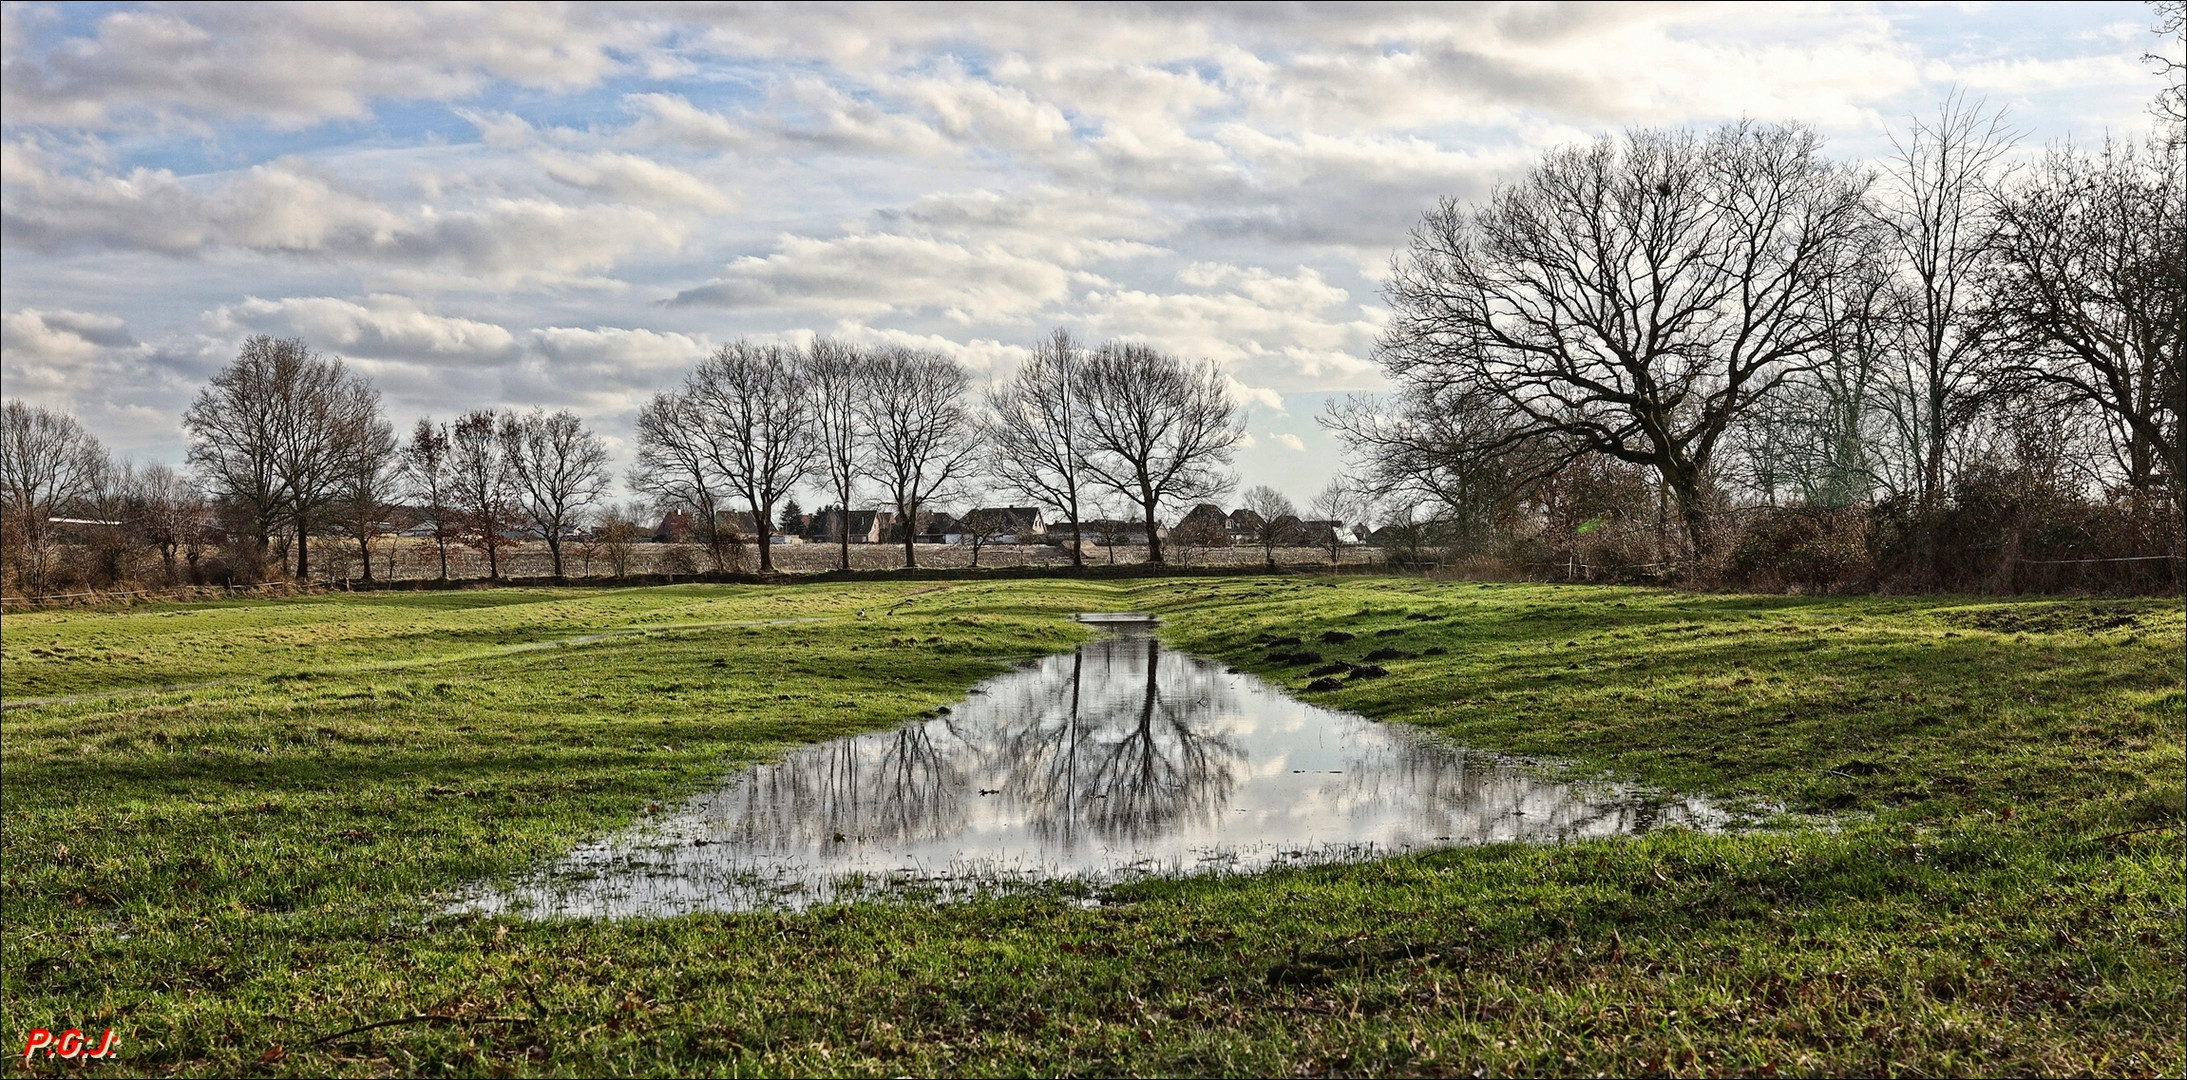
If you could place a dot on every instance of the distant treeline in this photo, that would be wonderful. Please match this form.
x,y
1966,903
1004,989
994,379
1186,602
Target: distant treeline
x,y
289,449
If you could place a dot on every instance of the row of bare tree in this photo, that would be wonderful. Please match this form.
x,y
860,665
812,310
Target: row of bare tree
x,y
57,481
1749,322
288,446
755,421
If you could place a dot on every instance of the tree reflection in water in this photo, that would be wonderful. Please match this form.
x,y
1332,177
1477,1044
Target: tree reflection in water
x,y
1121,758
1114,755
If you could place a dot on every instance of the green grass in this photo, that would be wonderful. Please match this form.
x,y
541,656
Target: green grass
x,y
1983,873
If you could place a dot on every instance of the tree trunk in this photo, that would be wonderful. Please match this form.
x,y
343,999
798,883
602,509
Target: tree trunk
x,y
910,525
1147,503
763,520
554,551
1078,550
364,553
303,550
442,543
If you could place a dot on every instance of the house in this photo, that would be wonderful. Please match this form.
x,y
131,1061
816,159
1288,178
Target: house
x,y
1321,533
737,523
675,528
936,527
1244,526
864,526
1204,526
1111,531
1009,524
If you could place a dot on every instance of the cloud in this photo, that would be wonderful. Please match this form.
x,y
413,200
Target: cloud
x,y
969,257
378,327
616,353
1293,330
295,65
59,357
92,365
670,118
284,208
629,178
1288,440
61,334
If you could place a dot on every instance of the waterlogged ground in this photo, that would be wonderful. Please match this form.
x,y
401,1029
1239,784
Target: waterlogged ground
x,y
1117,761
231,832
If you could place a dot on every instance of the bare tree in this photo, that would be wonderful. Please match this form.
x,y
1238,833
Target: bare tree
x,y
1632,298
1109,530
754,404
557,468
327,420
274,433
429,478
2091,296
675,467
2170,106
366,482
1339,502
1155,429
1825,436
167,512
922,440
481,484
618,532
1935,212
836,377
102,525
48,463
1030,432
1425,443
234,427
1274,517
981,527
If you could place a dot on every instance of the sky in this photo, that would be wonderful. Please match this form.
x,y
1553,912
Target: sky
x,y
510,205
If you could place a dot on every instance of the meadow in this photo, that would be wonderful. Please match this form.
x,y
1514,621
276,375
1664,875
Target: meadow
x,y
228,830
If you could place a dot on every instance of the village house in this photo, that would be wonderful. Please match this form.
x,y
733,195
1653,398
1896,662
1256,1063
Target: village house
x,y
828,525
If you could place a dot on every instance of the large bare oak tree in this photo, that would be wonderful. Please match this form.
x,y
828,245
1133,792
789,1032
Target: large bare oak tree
x,y
1631,298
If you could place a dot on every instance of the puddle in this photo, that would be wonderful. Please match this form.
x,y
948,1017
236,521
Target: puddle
x,y
1121,760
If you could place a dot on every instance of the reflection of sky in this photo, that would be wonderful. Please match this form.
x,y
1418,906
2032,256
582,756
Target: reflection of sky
x,y
1121,758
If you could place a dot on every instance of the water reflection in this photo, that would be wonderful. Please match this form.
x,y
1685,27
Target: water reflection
x,y
1123,758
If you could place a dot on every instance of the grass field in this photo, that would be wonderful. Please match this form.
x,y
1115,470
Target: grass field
x,y
227,827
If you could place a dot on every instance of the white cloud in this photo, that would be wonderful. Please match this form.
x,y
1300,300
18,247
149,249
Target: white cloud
x,y
632,179
970,257
283,208
618,352
671,118
379,327
1288,440
1297,330
64,335
293,65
